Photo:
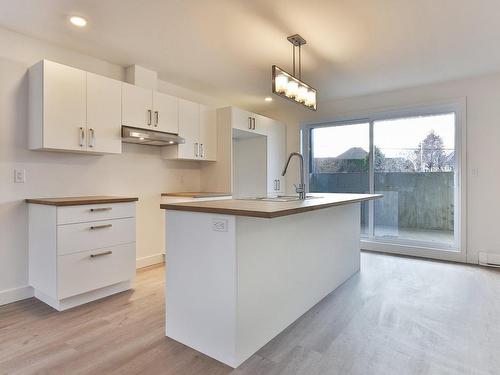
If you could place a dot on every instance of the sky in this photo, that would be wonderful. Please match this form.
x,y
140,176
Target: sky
x,y
393,137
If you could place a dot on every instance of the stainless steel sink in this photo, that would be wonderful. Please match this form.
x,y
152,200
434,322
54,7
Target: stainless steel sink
x,y
279,198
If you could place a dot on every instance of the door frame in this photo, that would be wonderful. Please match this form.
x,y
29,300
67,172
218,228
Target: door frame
x,y
457,252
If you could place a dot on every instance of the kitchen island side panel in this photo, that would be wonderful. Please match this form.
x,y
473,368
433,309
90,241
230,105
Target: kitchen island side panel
x,y
201,283
288,264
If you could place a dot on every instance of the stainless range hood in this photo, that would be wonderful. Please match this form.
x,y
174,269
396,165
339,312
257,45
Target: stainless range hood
x,y
149,137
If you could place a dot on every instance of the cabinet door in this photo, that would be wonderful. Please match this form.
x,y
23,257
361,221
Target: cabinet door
x,y
64,107
137,106
276,156
260,124
189,124
241,119
165,113
104,114
208,133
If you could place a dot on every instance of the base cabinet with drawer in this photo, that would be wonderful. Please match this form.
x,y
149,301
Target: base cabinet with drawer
x,y
81,253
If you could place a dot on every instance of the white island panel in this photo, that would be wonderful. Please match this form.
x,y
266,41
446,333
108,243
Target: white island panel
x,y
229,292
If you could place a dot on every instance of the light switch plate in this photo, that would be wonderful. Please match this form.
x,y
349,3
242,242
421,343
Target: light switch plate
x,y
19,176
219,225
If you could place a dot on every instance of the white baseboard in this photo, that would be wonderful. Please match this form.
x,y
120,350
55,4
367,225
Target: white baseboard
x,y
16,294
150,260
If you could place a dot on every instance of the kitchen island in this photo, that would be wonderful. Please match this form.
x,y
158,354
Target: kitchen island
x,y
240,271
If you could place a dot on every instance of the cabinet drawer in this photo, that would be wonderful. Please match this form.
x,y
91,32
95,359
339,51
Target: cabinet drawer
x,y
93,212
72,238
89,270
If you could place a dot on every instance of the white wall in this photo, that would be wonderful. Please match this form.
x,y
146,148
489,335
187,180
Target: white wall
x,y
483,139
139,171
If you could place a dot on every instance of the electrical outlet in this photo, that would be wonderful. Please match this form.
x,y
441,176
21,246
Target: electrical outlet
x,y
19,176
219,225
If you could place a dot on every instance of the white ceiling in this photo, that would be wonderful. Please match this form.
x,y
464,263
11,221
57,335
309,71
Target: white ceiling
x,y
225,48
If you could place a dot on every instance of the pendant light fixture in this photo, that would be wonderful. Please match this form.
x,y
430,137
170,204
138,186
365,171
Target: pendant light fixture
x,y
291,87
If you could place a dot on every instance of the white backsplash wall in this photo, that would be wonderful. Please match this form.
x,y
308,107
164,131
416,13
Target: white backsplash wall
x,y
138,171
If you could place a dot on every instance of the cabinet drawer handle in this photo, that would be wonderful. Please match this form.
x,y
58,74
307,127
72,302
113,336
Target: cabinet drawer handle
x,y
202,151
157,118
82,136
101,254
196,149
250,123
101,226
279,184
150,115
100,209
253,123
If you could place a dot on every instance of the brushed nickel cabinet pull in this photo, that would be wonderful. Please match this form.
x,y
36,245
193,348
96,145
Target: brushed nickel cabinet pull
x,y
101,226
101,254
250,123
150,117
82,136
157,118
92,137
100,209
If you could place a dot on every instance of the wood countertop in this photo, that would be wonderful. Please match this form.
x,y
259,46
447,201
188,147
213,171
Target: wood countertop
x,y
268,209
78,201
197,194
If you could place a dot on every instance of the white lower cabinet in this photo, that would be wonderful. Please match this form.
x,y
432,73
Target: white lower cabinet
x,y
78,254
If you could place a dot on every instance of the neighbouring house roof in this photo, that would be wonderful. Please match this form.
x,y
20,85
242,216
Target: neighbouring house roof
x,y
353,153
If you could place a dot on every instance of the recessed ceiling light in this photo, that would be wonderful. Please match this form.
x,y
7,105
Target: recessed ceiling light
x,y
268,99
78,21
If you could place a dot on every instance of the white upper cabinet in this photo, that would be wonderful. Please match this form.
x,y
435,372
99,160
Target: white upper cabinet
x,y
208,133
247,121
189,129
276,157
103,114
60,110
148,109
165,113
197,125
137,106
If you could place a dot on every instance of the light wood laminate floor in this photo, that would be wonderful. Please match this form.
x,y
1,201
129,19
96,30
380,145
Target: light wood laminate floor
x,y
398,316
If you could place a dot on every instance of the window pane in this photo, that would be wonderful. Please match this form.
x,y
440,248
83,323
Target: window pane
x,y
414,165
339,162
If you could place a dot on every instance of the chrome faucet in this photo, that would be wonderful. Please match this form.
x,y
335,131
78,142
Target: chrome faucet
x,y
301,188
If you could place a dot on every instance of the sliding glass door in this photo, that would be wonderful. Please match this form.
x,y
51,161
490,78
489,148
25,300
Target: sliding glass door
x,y
340,162
414,170
411,158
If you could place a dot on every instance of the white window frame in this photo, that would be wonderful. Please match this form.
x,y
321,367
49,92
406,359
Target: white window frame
x,y
457,251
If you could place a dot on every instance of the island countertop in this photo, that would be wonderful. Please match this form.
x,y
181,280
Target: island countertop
x,y
270,209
